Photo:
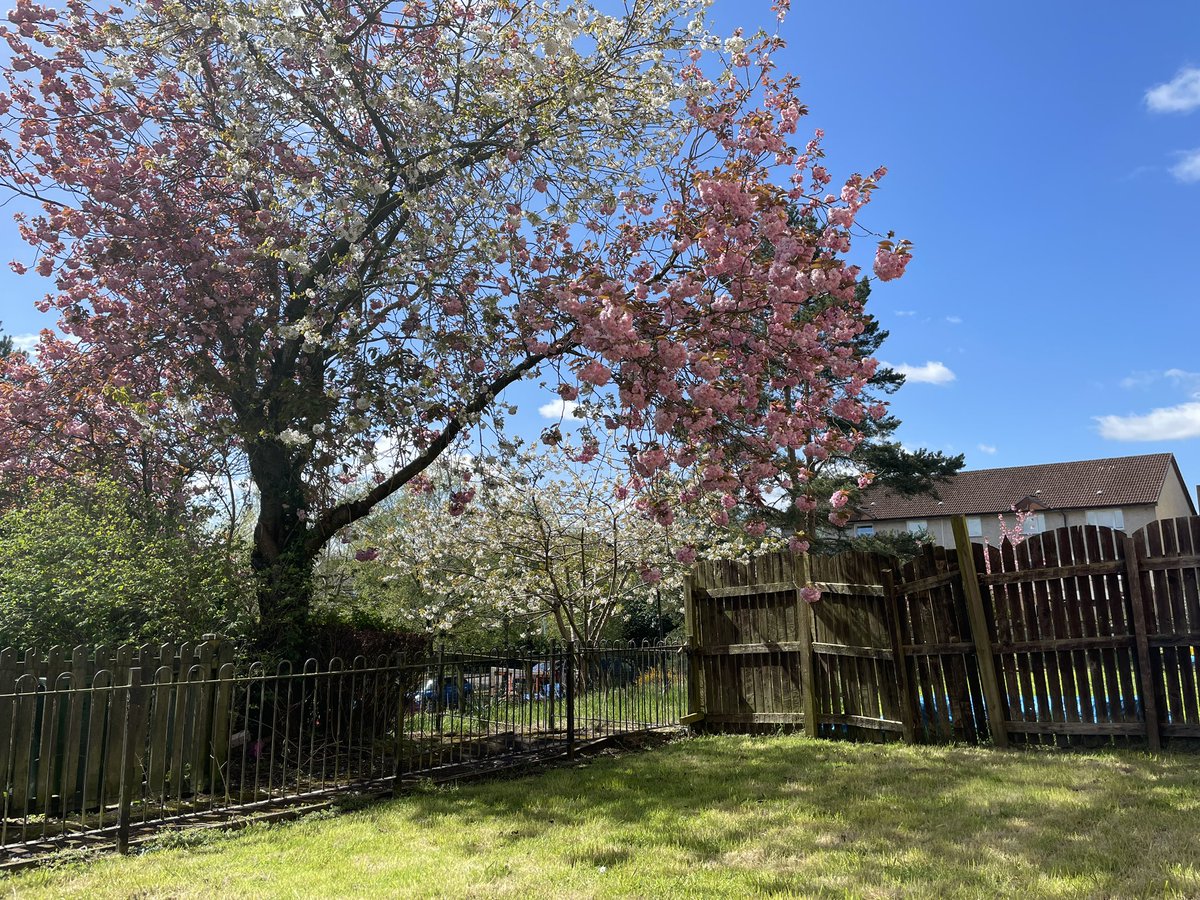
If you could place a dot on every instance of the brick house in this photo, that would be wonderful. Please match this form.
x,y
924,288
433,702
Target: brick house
x,y
1124,492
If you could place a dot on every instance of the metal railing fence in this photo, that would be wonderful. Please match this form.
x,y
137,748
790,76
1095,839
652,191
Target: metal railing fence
x,y
94,761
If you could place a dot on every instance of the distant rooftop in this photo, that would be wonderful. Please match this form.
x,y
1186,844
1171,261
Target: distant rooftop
x,y
1090,483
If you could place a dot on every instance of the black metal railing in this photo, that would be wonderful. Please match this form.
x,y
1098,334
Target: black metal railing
x,y
103,761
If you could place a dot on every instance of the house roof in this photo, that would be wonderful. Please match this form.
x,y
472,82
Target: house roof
x,y
1091,483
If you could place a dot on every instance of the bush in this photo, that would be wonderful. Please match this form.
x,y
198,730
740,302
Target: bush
x,y
86,565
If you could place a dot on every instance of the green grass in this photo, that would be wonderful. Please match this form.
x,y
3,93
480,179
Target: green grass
x,y
720,816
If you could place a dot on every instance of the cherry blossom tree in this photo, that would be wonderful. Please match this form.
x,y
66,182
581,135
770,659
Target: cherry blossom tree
x,y
305,228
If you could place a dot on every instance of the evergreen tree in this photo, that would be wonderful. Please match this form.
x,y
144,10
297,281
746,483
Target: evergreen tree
x,y
907,472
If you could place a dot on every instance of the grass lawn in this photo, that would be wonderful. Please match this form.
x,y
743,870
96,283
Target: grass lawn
x,y
721,816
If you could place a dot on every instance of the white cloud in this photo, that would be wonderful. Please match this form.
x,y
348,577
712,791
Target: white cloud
x,y
25,342
1181,94
1187,169
558,408
987,448
954,320
906,312
1181,374
1139,380
1165,424
1180,378
932,372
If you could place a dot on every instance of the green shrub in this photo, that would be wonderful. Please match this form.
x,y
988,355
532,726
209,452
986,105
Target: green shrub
x,y
86,565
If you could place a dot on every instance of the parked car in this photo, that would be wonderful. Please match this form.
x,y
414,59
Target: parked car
x,y
426,695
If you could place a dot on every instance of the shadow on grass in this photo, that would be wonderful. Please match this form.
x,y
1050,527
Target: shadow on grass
x,y
790,815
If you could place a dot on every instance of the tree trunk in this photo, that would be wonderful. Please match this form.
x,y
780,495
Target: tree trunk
x,y
280,559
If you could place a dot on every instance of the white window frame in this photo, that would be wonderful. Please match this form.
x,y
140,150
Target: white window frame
x,y
1110,517
864,530
974,526
912,526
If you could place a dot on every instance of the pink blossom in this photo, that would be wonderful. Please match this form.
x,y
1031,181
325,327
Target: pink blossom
x,y
596,373
367,555
686,555
810,594
890,264
797,544
459,501
839,499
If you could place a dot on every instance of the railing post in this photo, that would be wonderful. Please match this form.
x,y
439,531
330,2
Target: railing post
x,y
1133,580
130,779
979,630
550,683
439,689
570,679
398,744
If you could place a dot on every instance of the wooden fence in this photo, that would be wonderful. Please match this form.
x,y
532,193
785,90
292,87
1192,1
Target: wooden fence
x,y
1079,635
84,696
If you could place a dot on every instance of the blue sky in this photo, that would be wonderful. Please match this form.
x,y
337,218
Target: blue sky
x,y
1055,216
1056,274
1052,304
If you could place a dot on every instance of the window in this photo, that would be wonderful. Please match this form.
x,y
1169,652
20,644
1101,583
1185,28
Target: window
x,y
974,526
864,530
914,525
1112,518
1035,523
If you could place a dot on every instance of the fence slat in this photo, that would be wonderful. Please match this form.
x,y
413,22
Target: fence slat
x,y
1145,671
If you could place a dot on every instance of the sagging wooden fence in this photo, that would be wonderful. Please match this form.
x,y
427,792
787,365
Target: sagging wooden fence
x,y
82,697
1078,635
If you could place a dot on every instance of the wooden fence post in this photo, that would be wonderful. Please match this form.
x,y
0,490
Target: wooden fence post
x,y
1133,580
979,631
695,701
130,777
808,694
908,711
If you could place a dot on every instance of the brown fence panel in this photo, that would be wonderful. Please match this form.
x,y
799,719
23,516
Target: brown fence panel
x,y
749,627
767,658
939,649
1060,625
855,677
1168,554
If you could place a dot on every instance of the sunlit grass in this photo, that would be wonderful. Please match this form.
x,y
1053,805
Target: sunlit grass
x,y
722,816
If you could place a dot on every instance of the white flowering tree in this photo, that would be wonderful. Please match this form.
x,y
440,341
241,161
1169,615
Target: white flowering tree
x,y
545,541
